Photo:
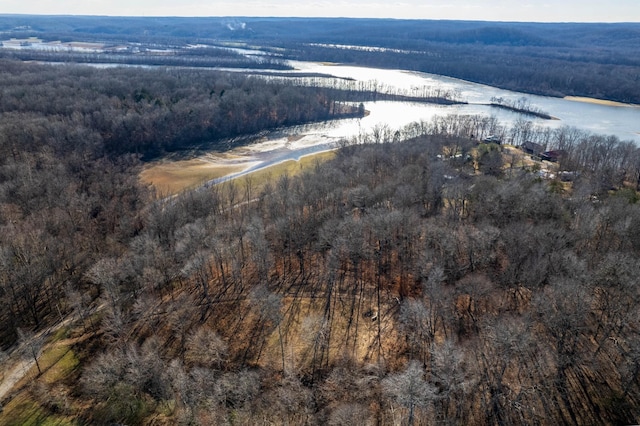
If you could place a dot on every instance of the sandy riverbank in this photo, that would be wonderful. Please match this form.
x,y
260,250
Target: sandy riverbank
x,y
598,101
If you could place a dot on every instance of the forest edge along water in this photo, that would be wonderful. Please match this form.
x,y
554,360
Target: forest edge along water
x,y
586,114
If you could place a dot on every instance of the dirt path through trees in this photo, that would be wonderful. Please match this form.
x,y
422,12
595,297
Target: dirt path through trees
x,y
20,369
21,361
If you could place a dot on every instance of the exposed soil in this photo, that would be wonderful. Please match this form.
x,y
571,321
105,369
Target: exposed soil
x,y
20,369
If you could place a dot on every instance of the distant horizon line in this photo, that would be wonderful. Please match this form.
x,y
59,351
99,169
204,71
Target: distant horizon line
x,y
71,15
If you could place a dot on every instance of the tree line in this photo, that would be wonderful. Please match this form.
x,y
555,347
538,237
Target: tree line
x,y
606,162
209,57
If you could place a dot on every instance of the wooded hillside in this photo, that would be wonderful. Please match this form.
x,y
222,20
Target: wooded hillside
x,y
72,139
384,286
435,279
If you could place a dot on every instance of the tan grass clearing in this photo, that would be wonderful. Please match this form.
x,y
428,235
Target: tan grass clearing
x,y
290,167
169,178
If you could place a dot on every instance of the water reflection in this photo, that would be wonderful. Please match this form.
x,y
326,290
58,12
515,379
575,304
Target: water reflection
x,y
296,141
617,120
621,121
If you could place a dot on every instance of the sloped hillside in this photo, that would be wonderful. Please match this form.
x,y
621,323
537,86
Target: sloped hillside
x,y
385,286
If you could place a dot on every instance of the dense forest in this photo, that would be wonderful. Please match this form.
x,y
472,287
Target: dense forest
x,y
505,58
420,276
559,59
429,279
116,111
71,139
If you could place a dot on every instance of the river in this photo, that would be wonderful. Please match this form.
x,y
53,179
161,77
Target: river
x,y
622,121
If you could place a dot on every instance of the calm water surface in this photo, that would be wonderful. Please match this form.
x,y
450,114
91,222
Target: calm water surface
x,y
621,121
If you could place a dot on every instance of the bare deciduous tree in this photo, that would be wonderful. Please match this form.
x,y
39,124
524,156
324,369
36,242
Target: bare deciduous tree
x,y
205,348
410,389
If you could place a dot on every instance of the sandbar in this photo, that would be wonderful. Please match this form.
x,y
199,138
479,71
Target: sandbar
x,y
598,101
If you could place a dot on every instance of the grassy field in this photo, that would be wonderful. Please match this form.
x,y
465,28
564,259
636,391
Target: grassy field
x,y
290,167
170,178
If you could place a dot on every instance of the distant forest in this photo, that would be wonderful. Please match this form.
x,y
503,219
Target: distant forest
x,y
594,60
